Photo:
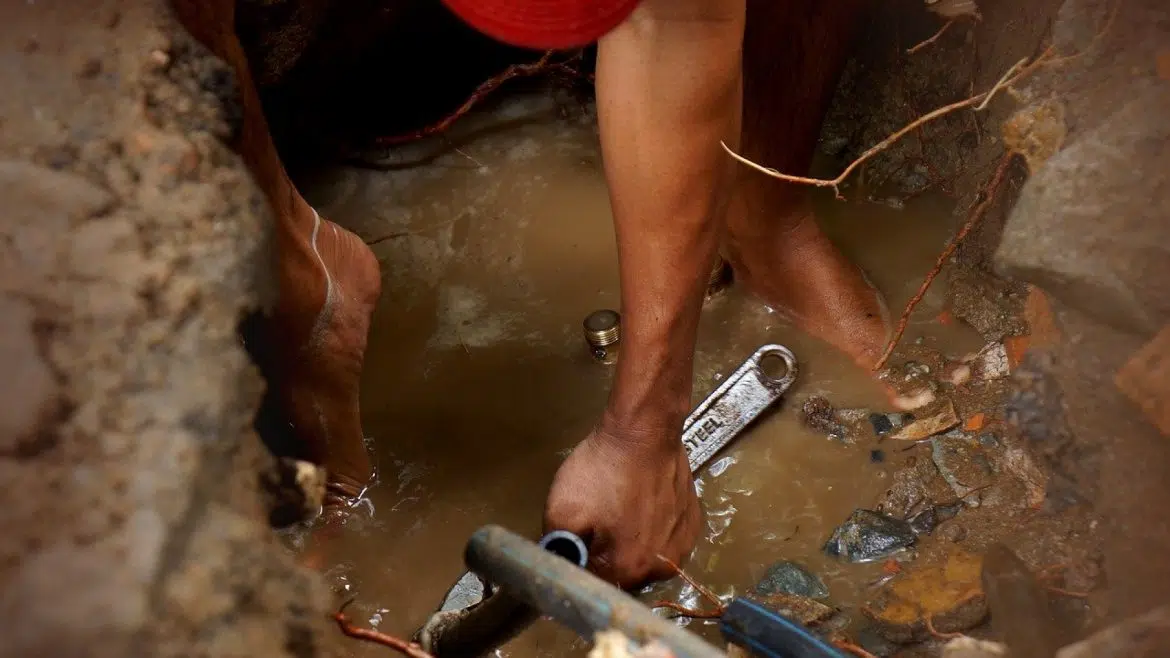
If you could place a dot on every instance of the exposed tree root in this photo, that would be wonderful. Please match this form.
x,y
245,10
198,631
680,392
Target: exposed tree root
x,y
922,44
370,635
973,218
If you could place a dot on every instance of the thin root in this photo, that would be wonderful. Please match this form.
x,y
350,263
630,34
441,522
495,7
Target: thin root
x,y
938,634
692,613
973,218
846,645
541,65
370,635
703,591
835,183
946,26
1060,591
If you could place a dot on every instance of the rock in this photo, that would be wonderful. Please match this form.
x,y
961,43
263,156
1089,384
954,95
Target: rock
x,y
846,425
872,641
1019,604
295,491
991,362
1147,636
953,533
956,374
940,421
962,462
949,594
969,647
797,608
791,578
867,536
924,522
1017,462
885,423
818,414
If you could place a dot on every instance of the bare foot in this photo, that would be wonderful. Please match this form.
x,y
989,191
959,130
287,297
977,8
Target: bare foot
x,y
795,269
329,284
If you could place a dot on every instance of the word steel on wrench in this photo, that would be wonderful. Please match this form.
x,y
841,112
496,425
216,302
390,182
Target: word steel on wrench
x,y
745,394
718,419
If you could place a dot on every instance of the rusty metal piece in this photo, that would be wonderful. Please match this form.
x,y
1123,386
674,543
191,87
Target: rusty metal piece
x,y
571,595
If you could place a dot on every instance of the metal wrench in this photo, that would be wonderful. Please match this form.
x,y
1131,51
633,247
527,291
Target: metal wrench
x,y
474,614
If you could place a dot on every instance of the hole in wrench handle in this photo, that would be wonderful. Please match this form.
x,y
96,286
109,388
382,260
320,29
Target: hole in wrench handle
x,y
743,396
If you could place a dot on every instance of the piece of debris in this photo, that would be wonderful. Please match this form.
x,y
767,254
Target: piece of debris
x,y
943,419
991,362
975,422
962,462
867,536
916,399
787,577
295,491
956,374
797,608
1017,462
845,425
1146,636
949,595
969,647
615,644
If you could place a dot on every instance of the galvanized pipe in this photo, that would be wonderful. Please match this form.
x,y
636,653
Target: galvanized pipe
x,y
572,595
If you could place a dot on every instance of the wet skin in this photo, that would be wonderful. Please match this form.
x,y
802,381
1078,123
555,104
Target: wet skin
x,y
671,83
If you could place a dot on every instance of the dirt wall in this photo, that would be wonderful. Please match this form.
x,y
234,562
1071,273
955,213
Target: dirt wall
x,y
132,243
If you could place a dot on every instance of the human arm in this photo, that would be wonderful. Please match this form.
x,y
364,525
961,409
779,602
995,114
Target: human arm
x,y
668,92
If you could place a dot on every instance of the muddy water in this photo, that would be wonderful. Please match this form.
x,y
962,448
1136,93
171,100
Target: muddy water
x,y
495,244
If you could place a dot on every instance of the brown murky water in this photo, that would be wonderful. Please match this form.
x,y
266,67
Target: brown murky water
x,y
494,247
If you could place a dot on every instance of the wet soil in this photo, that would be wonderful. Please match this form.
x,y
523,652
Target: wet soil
x,y
478,381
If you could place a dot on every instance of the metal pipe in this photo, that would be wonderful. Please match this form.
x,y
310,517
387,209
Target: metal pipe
x,y
468,631
571,595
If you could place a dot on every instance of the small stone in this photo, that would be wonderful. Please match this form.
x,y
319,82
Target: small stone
x,y
921,428
867,536
957,374
953,533
924,522
914,400
877,456
961,462
790,578
991,362
881,423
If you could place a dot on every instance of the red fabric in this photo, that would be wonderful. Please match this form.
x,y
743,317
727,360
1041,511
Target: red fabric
x,y
543,24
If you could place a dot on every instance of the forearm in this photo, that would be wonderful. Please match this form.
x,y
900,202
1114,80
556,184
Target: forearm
x,y
668,92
